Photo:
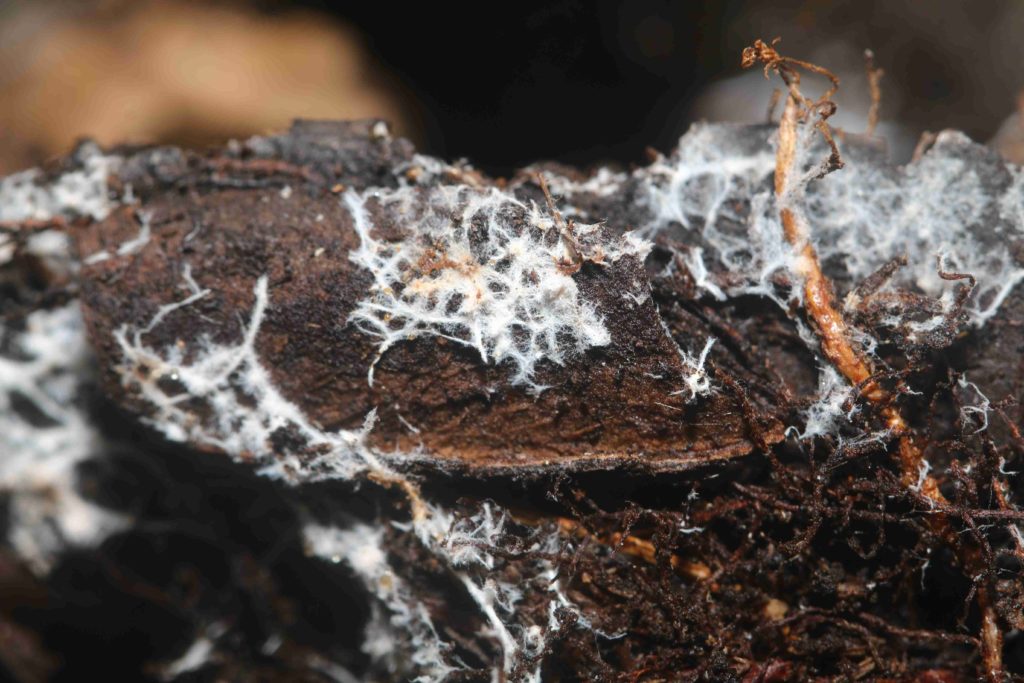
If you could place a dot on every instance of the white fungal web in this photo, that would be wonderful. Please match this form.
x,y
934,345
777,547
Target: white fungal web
x,y
957,202
522,642
974,405
244,411
398,614
696,381
44,435
833,408
128,247
481,268
464,544
695,378
603,183
25,196
713,194
477,267
952,203
427,170
245,408
83,192
696,187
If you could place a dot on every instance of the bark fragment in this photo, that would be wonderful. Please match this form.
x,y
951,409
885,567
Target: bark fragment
x,y
283,215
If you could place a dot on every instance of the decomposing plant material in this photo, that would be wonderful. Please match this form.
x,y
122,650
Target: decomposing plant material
x,y
452,312
735,415
836,339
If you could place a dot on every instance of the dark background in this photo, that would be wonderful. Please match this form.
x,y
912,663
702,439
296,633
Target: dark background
x,y
501,84
585,82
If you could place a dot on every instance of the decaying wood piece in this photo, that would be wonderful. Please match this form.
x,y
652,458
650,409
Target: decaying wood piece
x,y
445,306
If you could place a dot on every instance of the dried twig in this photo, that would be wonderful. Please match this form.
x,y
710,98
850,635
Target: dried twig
x,y
924,143
874,79
572,246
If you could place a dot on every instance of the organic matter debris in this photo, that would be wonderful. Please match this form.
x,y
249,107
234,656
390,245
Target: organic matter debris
x,y
750,412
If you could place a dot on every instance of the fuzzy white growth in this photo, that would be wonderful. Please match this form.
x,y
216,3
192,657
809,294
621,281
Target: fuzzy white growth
x,y
26,196
977,406
695,186
132,246
922,476
52,247
478,268
696,381
245,407
427,170
216,374
631,243
48,362
717,192
859,217
465,542
828,412
464,545
83,192
694,261
864,215
38,457
486,597
244,411
605,182
362,548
